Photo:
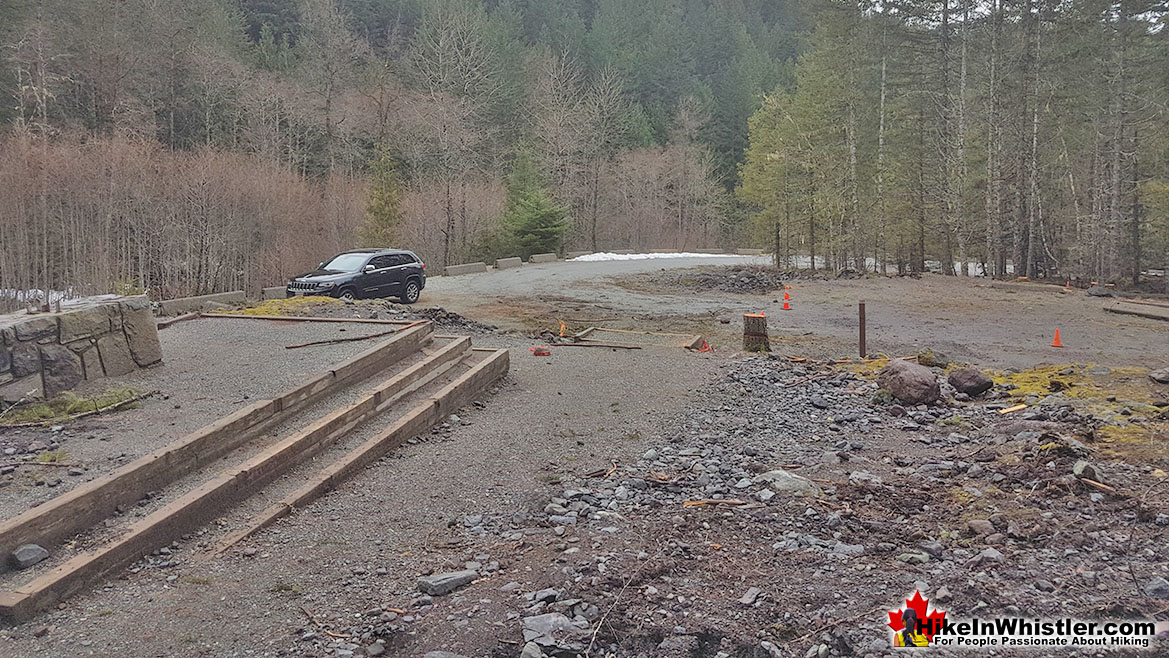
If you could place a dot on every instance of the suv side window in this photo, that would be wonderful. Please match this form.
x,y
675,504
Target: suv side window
x,y
382,262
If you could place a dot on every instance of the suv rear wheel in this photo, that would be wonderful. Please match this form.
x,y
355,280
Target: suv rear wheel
x,y
411,292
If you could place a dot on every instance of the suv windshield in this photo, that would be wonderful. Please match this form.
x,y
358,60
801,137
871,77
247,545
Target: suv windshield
x,y
346,262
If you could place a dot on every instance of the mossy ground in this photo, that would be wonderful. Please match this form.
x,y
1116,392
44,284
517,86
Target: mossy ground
x,y
288,306
65,405
1135,428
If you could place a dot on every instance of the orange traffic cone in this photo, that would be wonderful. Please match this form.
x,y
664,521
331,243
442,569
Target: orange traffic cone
x,y
1056,342
786,297
787,306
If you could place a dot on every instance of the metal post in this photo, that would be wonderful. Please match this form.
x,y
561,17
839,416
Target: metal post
x,y
864,351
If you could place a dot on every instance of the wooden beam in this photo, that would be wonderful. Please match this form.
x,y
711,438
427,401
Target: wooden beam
x,y
208,500
64,516
298,318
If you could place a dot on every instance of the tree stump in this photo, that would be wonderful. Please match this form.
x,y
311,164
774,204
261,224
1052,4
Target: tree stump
x,y
755,333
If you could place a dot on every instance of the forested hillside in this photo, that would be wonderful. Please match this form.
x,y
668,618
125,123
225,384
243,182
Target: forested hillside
x,y
187,147
193,146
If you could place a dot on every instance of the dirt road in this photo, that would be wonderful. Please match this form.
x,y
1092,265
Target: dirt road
x,y
988,323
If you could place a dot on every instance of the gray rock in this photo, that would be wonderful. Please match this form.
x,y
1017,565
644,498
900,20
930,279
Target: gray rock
x,y
783,482
60,369
943,594
909,382
115,355
531,650
1085,469
28,554
1160,376
375,649
1157,588
445,583
771,649
141,333
546,629
438,654
980,527
970,381
752,594
26,360
1097,291
819,402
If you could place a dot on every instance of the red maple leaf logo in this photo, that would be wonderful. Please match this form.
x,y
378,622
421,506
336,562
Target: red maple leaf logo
x,y
931,622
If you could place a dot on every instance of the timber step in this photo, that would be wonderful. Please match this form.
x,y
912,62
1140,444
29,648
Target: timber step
x,y
246,483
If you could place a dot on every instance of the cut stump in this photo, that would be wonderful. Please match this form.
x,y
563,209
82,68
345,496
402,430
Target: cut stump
x,y
755,333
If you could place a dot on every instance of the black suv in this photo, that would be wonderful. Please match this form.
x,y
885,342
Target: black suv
x,y
365,273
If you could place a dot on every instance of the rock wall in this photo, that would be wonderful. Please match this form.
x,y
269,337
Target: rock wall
x,y
44,354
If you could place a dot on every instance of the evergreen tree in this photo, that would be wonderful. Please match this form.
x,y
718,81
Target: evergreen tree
x,y
534,222
384,210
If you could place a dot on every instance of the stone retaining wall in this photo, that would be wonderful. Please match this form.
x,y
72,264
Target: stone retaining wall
x,y
44,354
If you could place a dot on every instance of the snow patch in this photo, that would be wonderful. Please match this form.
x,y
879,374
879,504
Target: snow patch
x,y
605,256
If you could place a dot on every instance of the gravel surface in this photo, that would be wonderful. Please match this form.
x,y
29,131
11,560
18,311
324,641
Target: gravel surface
x,y
988,323
552,510
211,368
552,416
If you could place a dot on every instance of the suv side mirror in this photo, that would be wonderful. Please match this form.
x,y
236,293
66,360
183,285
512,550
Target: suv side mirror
x,y
368,268
321,265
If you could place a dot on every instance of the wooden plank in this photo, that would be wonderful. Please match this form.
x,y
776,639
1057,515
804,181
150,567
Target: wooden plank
x,y
418,420
639,333
300,318
1151,312
63,516
584,334
209,499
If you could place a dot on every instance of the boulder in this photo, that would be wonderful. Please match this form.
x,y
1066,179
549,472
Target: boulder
x,y
970,381
27,555
141,333
115,355
1160,376
60,369
85,323
26,360
445,583
909,382
36,327
1097,291
22,389
783,482
933,359
5,359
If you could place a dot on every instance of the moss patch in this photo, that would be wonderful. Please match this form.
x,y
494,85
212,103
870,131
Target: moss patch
x,y
66,405
287,306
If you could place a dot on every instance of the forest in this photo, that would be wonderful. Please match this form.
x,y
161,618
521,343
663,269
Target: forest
x,y
190,147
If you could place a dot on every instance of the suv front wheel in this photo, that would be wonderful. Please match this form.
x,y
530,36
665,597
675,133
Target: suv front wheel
x,y
347,294
411,292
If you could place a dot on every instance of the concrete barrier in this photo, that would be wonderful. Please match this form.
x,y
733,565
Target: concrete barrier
x,y
576,254
663,251
466,268
622,252
542,258
200,303
708,251
274,293
749,252
507,263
